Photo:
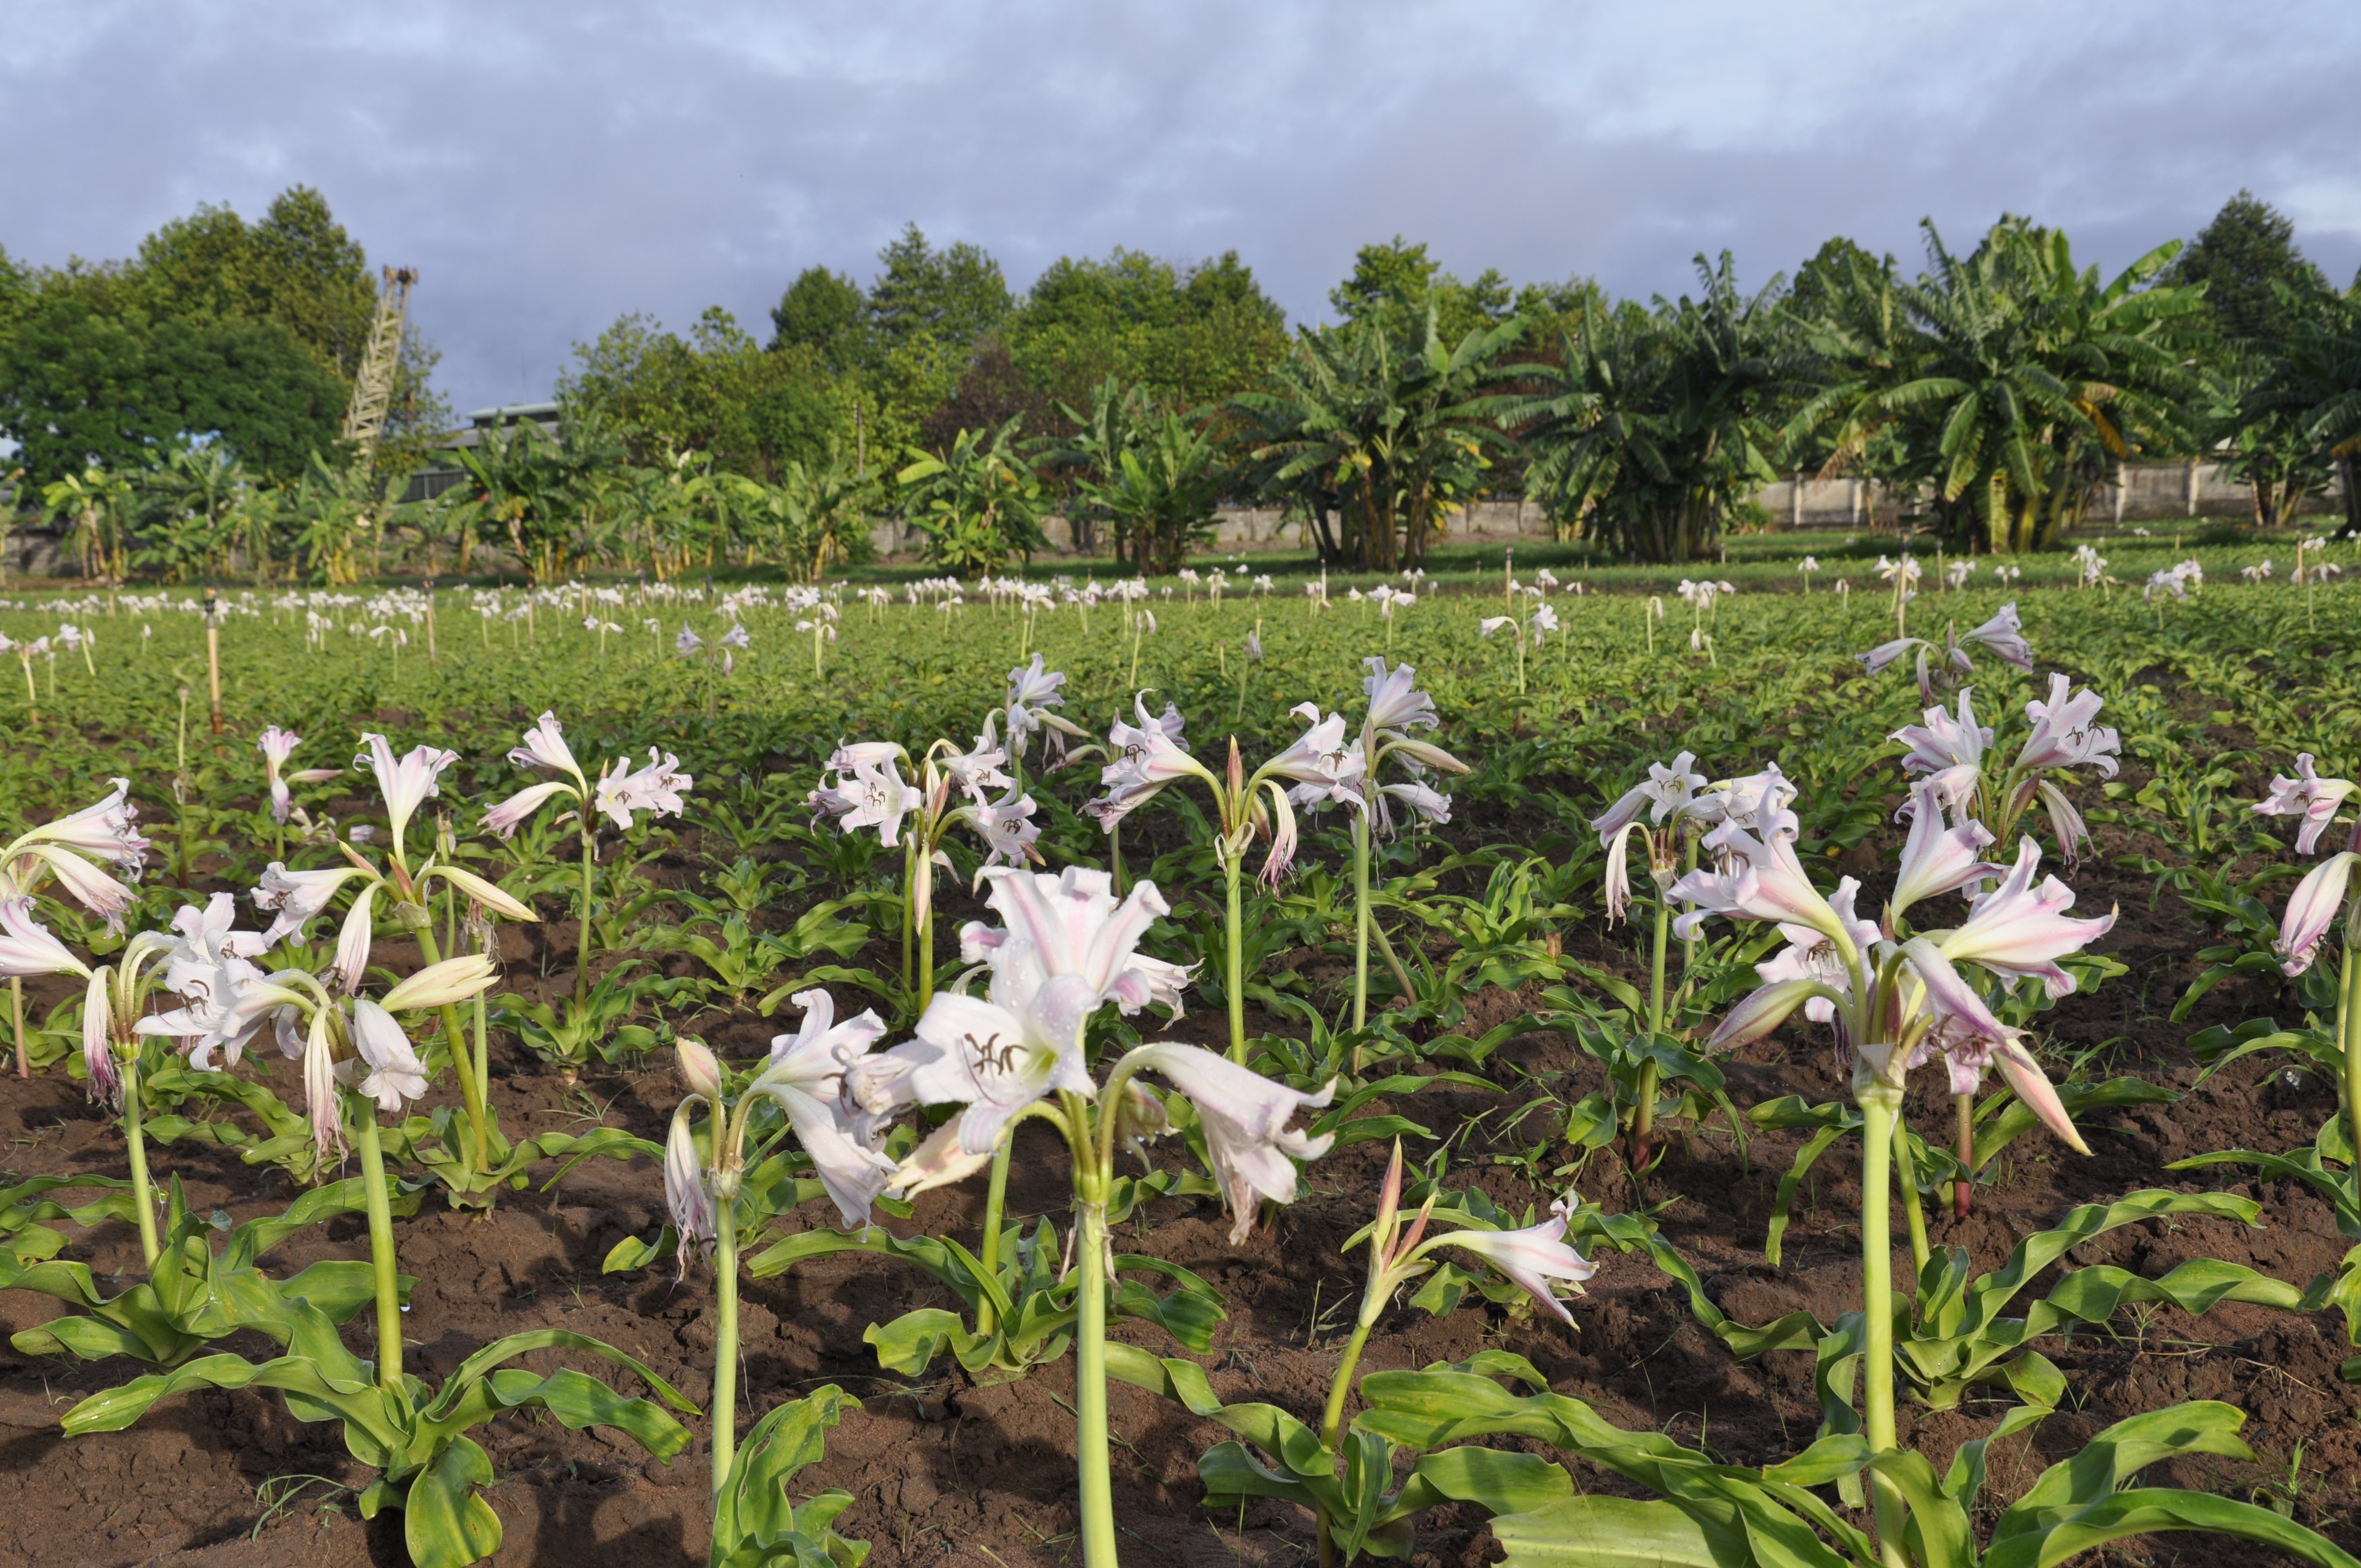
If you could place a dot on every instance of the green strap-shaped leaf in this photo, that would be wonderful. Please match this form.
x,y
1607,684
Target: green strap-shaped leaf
x,y
580,1400
1618,1532
445,1522
2153,1511
1499,1483
499,1349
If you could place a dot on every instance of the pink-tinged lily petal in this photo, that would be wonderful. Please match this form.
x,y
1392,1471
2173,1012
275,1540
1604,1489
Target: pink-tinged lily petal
x,y
514,812
1764,1011
2040,1096
1431,804
2005,635
2066,822
813,1058
939,1161
354,938
655,787
684,1195
1245,1117
407,782
298,897
1876,660
2308,795
1395,701
1755,879
2019,930
86,884
320,1107
2311,910
27,947
1283,839
2064,734
388,1070
103,831
1667,789
1532,1258
98,1043
1938,859
1148,757
852,1173
276,746
1944,741
544,747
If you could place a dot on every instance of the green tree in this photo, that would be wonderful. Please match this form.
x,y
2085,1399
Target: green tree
x,y
1398,282
2015,382
978,504
1387,429
945,296
2244,258
1166,485
1192,336
1093,455
826,312
716,391
1652,425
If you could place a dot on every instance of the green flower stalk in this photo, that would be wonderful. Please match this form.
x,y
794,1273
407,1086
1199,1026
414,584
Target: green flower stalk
x,y
868,791
620,793
1396,707
1895,1003
1534,1258
1148,757
801,1079
1017,1055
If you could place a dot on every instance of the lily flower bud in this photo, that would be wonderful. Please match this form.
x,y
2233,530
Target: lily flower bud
x,y
699,1067
440,985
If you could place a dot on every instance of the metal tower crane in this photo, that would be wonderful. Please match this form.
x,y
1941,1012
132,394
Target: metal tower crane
x,y
373,386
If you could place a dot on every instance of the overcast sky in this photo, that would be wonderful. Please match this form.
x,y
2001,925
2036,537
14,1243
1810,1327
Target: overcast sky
x,y
548,167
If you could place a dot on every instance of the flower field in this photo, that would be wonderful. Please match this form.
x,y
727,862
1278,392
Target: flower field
x,y
1190,1071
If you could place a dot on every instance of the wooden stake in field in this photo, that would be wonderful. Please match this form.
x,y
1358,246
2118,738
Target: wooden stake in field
x,y
212,655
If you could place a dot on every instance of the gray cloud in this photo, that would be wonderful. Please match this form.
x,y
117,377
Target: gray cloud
x,y
550,167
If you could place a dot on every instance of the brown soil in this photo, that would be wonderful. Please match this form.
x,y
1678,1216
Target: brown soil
x,y
950,1472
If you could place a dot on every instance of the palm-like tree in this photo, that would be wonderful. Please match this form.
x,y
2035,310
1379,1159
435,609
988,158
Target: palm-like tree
x,y
1652,424
2014,381
1166,485
2316,385
1117,417
1387,431
978,504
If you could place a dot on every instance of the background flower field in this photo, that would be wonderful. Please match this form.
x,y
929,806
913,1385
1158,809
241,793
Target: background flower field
x,y
1485,1062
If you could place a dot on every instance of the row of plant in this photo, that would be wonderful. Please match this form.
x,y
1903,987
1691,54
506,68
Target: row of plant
x,y
1047,1015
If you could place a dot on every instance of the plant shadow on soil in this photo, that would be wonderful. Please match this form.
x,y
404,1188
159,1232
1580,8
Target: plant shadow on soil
x,y
944,1471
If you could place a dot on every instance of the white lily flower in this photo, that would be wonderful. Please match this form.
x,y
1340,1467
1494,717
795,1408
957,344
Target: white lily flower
x,y
406,784
1244,1116
655,787
2063,734
387,1069
27,947
298,896
2306,796
544,746
873,796
1532,1256
2019,930
103,831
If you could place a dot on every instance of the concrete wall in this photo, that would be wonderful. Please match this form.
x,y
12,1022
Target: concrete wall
x,y
2142,492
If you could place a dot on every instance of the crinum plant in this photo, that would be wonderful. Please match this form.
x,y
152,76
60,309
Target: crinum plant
x,y
1896,1001
358,1062
296,898
619,794
68,852
1017,1054
1149,756
868,791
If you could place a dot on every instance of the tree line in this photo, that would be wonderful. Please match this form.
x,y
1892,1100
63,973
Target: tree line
x,y
1989,391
